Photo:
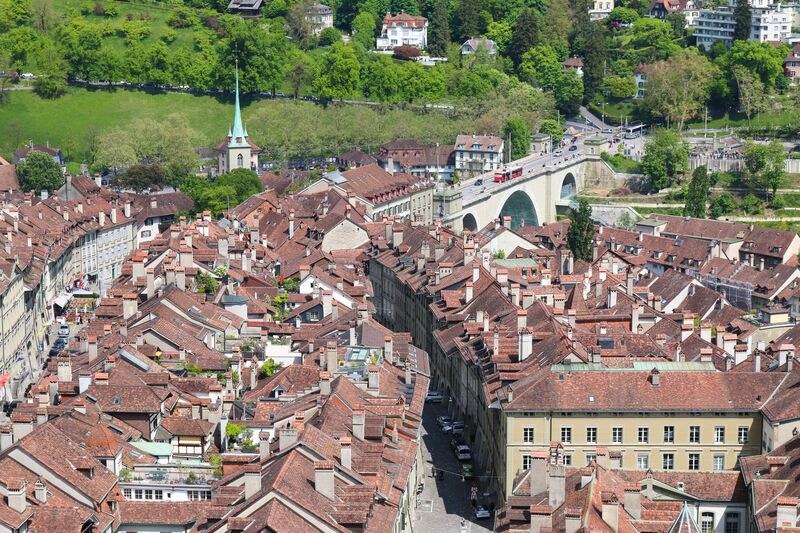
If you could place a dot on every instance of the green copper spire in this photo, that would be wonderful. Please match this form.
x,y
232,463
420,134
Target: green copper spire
x,y
238,134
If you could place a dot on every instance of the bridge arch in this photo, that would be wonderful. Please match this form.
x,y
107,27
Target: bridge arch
x,y
520,208
468,223
568,186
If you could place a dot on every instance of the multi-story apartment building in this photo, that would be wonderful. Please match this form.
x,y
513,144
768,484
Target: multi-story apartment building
x,y
476,154
691,420
403,29
770,24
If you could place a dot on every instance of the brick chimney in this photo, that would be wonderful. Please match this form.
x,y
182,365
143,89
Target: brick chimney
x,y
373,377
64,369
331,357
388,349
16,495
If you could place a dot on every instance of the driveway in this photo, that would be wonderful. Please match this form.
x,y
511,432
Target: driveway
x,y
444,503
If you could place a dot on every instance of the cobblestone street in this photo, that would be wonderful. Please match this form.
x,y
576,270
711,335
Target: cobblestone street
x,y
444,503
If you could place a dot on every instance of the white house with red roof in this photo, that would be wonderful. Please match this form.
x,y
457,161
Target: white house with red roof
x,y
403,29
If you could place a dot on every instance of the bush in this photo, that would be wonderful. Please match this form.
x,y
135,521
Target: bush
x,y
169,35
406,52
778,202
722,205
752,205
328,36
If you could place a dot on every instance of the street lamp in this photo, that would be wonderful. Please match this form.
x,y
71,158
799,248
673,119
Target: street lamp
x,y
603,118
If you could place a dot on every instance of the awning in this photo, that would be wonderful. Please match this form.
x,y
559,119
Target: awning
x,y
4,379
62,299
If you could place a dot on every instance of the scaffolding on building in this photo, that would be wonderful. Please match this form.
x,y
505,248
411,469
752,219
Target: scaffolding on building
x,y
738,293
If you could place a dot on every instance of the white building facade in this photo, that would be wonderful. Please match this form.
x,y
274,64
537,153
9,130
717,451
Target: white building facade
x,y
403,29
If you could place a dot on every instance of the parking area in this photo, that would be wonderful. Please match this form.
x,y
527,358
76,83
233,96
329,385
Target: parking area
x,y
445,505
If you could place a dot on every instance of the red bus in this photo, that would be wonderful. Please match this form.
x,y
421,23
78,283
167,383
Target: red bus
x,y
508,174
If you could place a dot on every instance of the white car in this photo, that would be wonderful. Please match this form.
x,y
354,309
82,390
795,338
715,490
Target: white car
x,y
434,397
63,330
443,421
558,152
463,453
481,512
608,130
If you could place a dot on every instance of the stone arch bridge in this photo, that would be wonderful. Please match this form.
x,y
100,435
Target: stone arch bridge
x,y
536,197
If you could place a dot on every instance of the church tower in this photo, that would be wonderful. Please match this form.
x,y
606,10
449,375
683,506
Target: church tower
x,y
237,151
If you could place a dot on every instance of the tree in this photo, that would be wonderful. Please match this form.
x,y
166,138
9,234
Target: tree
x,y
526,33
328,36
261,54
245,182
338,75
42,14
594,60
517,131
765,166
620,86
553,129
5,81
581,231
52,79
623,15
569,92
761,59
270,367
679,87
140,177
722,205
298,24
364,29
468,19
439,29
541,66
665,156
300,71
697,194
752,205
653,39
743,17
382,80
751,92
39,172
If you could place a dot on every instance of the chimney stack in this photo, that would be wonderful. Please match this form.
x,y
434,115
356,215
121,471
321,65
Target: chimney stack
x,y
286,437
252,480
324,478
92,340
130,305
359,420
611,510
345,443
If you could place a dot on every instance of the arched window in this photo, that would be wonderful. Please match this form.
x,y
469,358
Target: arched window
x,y
240,160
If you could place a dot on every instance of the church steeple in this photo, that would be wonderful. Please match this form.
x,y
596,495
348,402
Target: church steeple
x,y
238,133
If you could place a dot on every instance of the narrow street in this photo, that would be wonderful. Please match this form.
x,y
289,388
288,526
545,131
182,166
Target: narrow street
x,y
445,502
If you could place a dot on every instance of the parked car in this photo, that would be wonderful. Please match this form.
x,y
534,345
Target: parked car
x,y
456,427
63,330
573,147
443,420
481,512
558,152
608,130
479,181
455,442
463,453
434,397
467,471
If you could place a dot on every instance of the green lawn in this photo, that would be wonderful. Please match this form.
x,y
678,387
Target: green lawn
x,y
64,122
156,15
616,111
283,127
644,211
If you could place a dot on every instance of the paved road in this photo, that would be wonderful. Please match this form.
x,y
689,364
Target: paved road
x,y
444,503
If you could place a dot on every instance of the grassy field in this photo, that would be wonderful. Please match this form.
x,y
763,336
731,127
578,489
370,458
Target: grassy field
x,y
155,14
644,211
285,128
